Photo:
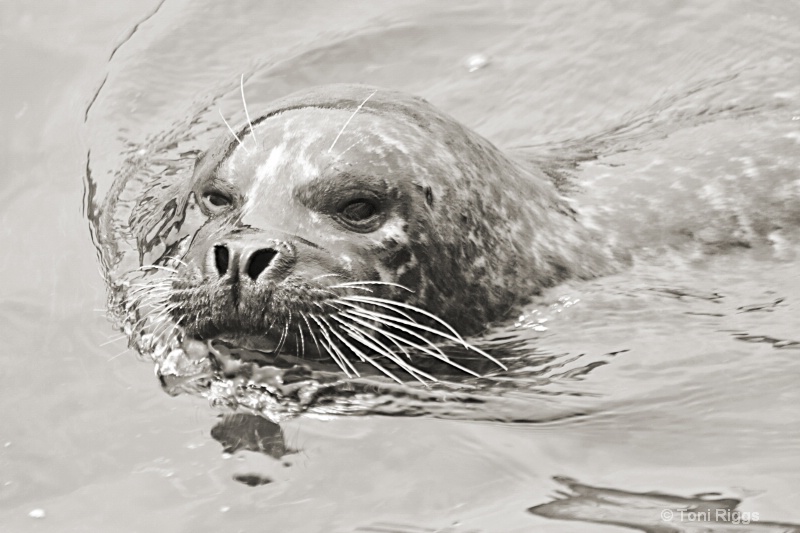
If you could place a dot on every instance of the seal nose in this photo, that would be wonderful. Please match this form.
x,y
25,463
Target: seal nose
x,y
251,261
221,259
258,262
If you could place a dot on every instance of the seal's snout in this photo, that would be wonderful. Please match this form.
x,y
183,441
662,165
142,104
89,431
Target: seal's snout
x,y
243,260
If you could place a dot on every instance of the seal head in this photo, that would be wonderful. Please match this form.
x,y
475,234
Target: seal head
x,y
359,217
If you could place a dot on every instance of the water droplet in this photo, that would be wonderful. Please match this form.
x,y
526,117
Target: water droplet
x,y
476,62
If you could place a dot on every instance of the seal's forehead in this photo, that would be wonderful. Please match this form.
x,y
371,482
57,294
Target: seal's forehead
x,y
329,127
305,142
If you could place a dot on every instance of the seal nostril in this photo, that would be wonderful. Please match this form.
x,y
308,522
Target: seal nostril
x,y
221,258
259,262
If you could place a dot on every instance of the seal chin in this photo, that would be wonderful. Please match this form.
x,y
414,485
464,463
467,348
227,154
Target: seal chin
x,y
285,340
263,344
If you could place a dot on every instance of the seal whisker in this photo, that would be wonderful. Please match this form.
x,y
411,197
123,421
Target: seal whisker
x,y
176,329
142,281
153,304
286,329
399,346
153,317
137,290
379,347
161,283
351,118
352,305
302,342
311,332
361,355
285,333
247,113
333,355
371,342
358,283
391,304
340,359
437,353
161,317
113,340
351,287
149,294
176,259
315,278
271,322
361,138
161,311
335,358
358,314
145,268
233,132
455,337
281,342
161,327
167,334
331,303
414,324
152,293
123,352
153,301
157,306
141,321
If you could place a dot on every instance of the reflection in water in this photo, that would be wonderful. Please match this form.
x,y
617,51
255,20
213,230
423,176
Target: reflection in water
x,y
652,512
243,432
251,433
655,512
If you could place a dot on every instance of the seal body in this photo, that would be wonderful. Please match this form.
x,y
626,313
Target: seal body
x,y
372,195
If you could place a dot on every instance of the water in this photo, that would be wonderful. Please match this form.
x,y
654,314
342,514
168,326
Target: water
x,y
684,365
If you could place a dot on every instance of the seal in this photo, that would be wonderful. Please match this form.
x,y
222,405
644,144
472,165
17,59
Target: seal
x,y
348,234
353,221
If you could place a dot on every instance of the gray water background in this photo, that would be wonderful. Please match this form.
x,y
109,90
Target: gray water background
x,y
698,387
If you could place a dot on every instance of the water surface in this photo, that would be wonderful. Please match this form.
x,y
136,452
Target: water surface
x,y
687,362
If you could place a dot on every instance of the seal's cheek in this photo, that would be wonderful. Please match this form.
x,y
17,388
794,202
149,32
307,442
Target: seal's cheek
x,y
330,266
196,255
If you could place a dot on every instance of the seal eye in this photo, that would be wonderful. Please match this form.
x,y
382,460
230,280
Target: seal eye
x,y
216,201
358,210
359,214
